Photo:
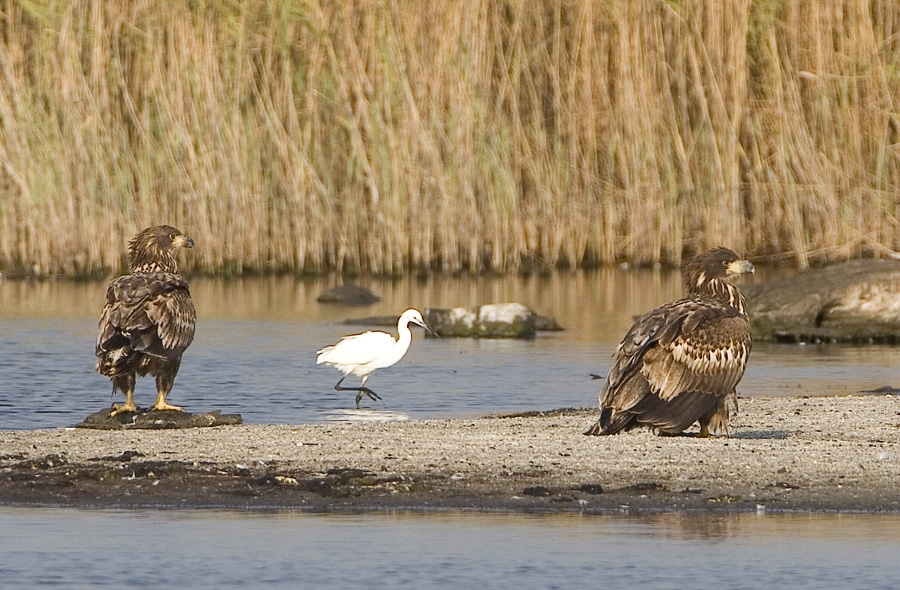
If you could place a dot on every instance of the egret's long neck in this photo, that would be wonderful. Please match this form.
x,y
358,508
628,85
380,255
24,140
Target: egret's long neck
x,y
404,335
398,350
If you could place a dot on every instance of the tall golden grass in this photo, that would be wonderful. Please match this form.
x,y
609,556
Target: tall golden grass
x,y
389,135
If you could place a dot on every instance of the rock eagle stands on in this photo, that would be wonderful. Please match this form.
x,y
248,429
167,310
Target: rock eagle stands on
x,y
680,363
148,320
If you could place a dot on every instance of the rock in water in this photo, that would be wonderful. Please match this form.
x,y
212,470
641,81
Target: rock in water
x,y
348,295
487,321
495,320
506,320
856,301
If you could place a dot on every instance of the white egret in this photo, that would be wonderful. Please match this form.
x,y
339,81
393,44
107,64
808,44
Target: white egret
x,y
361,354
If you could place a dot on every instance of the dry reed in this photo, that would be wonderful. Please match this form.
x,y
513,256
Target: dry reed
x,y
384,136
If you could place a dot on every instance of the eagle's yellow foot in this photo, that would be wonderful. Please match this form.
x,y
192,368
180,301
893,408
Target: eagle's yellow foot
x,y
123,408
704,431
162,407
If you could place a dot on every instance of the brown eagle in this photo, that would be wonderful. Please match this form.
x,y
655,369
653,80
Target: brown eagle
x,y
148,320
680,363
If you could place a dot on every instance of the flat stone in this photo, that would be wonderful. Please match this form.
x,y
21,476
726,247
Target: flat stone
x,y
856,301
465,316
348,295
494,320
156,420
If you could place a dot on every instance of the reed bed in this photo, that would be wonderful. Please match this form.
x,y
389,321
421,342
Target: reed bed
x,y
387,136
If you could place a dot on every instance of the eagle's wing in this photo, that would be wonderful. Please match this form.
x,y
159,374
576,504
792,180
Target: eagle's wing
x,y
173,313
708,355
151,313
690,345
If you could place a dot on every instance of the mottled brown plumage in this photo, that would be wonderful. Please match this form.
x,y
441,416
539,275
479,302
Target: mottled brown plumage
x,y
148,320
680,363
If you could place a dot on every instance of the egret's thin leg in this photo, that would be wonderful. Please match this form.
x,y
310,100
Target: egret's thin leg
x,y
362,389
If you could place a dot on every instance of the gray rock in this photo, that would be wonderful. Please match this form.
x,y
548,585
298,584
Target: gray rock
x,y
856,301
462,322
348,295
495,320
157,420
547,324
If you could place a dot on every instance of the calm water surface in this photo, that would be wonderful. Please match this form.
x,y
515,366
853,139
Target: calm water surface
x,y
69,548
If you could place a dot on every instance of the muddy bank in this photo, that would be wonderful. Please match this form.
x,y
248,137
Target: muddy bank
x,y
837,453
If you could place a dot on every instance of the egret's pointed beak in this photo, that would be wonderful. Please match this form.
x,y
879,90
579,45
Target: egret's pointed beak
x,y
427,329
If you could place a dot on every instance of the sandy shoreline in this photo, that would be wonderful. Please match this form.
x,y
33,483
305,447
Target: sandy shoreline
x,y
834,453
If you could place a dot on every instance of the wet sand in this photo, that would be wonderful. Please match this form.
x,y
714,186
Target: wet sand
x,y
784,454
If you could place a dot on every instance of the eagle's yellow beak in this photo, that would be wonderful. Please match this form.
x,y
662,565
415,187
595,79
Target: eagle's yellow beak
x,y
183,241
740,267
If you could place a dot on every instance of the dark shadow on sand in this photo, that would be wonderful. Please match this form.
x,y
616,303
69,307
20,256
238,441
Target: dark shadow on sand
x,y
761,434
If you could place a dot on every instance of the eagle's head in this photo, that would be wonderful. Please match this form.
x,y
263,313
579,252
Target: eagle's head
x,y
153,249
708,274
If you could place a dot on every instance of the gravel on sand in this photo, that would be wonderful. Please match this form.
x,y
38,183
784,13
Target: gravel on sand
x,y
812,453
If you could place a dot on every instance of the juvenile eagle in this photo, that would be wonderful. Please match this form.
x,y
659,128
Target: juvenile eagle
x,y
148,320
680,363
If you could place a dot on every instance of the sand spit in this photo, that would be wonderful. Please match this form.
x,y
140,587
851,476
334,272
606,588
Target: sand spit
x,y
834,453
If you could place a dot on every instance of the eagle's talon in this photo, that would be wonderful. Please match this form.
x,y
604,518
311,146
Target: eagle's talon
x,y
164,407
123,409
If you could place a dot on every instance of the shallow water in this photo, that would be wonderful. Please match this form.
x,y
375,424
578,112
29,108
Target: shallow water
x,y
254,352
219,549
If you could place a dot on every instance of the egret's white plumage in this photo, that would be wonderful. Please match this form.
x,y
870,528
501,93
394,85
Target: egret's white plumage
x,y
361,354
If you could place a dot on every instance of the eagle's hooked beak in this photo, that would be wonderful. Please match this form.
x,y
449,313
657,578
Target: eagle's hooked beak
x,y
740,267
183,241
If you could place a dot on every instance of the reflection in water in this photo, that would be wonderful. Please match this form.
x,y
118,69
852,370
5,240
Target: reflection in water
x,y
593,305
360,415
254,352
214,549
